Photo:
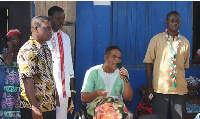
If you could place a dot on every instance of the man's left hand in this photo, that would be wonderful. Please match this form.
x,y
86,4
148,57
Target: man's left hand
x,y
71,105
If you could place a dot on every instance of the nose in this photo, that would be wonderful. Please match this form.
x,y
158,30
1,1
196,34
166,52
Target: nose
x,y
118,60
16,40
175,22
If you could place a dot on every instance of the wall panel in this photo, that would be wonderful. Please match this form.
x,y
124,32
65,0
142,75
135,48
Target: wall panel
x,y
41,8
135,23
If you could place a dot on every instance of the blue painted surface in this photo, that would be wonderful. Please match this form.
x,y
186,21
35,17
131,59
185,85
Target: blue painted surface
x,y
93,32
129,25
135,23
2,79
33,9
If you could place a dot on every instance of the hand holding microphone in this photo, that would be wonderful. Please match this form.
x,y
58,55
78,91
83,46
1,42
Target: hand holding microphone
x,y
125,77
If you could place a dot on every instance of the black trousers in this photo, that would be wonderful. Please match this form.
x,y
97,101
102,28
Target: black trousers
x,y
161,103
27,114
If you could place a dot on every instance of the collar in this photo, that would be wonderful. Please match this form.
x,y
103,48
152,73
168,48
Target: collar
x,y
38,45
146,104
56,31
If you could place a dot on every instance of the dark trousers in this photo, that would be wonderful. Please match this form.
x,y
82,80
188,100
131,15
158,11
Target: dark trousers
x,y
27,114
161,103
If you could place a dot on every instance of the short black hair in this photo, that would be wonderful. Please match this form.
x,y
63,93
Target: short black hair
x,y
172,12
108,49
54,9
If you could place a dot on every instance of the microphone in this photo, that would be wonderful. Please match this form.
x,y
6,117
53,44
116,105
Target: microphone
x,y
119,67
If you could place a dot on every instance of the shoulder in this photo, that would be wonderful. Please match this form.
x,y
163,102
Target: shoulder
x,y
65,35
184,40
157,39
94,68
92,72
28,45
158,36
31,46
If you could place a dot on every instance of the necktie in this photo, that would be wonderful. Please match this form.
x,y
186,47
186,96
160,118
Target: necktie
x,y
60,43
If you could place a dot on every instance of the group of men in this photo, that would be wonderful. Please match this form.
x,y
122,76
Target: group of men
x,y
46,69
47,76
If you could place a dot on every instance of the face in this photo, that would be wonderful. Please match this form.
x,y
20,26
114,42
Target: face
x,y
15,39
173,22
144,97
44,32
192,89
112,59
57,20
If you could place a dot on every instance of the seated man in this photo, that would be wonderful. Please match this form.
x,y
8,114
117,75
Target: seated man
x,y
106,79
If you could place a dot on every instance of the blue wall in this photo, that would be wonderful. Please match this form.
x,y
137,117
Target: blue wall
x,y
92,29
135,23
124,24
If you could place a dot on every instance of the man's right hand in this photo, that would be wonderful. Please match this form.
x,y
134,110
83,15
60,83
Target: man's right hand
x,y
102,92
149,90
149,71
90,96
36,113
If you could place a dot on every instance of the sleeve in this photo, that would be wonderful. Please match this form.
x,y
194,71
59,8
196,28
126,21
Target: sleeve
x,y
71,69
69,55
27,63
186,65
151,52
88,82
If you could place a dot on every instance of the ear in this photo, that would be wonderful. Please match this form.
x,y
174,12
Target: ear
x,y
166,22
105,57
36,29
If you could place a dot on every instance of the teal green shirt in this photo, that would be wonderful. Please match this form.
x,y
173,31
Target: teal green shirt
x,y
94,81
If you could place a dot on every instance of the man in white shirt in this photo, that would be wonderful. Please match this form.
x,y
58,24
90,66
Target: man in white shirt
x,y
62,61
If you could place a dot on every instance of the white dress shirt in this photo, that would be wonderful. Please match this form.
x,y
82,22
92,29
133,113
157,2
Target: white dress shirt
x,y
69,72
